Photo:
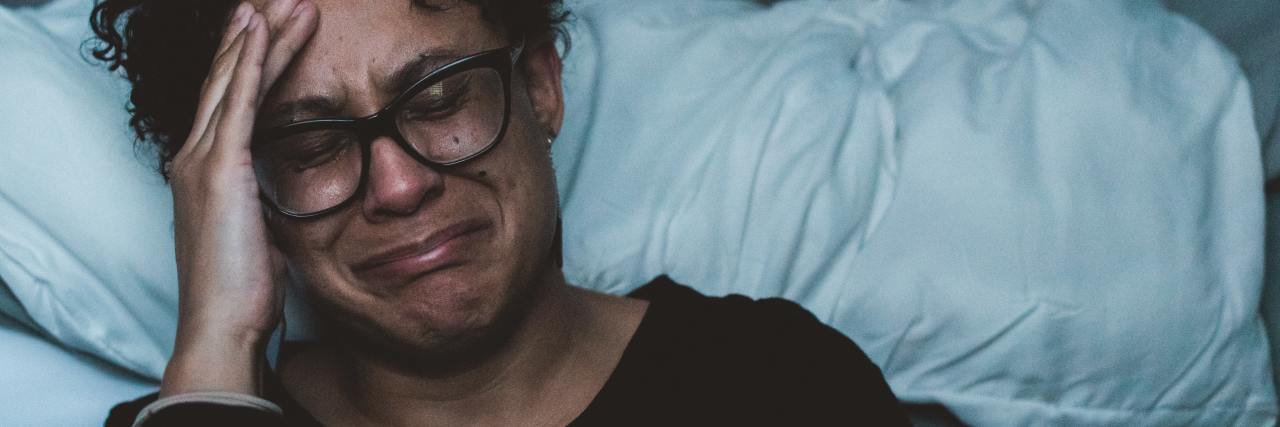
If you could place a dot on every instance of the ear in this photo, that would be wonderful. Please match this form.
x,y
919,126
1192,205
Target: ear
x,y
542,83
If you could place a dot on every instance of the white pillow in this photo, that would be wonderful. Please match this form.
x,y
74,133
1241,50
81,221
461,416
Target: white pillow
x,y
1251,29
704,139
1079,219
1271,288
1033,212
86,245
45,385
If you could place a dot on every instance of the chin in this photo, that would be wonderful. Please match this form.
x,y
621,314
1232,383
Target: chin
x,y
439,322
452,303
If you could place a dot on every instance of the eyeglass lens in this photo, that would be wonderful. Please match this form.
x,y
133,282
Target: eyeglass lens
x,y
444,122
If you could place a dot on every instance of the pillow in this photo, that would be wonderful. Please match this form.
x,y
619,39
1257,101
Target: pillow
x,y
731,147
1032,212
1249,29
86,246
1271,288
45,385
11,309
1079,218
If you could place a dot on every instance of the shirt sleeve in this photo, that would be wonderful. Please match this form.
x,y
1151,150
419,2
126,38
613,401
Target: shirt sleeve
x,y
197,409
830,376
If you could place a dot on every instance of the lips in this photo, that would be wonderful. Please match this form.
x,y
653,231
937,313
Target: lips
x,y
437,251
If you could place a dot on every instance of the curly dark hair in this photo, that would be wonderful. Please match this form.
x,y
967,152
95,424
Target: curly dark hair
x,y
166,48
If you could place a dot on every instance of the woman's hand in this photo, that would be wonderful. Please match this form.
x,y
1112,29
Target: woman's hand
x,y
230,275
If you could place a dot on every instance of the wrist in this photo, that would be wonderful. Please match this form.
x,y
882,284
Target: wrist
x,y
221,334
205,360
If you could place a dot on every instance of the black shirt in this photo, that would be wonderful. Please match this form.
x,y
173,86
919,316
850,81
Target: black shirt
x,y
694,360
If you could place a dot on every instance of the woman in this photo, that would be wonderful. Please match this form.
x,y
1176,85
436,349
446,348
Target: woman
x,y
395,157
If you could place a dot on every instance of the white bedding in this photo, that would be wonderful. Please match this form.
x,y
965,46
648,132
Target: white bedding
x,y
1033,212
1251,29
46,385
86,243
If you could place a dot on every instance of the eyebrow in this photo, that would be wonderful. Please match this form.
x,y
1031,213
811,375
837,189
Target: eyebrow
x,y
320,106
315,106
410,72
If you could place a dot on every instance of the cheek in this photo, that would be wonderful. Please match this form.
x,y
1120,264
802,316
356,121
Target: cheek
x,y
525,181
530,174
309,245
528,196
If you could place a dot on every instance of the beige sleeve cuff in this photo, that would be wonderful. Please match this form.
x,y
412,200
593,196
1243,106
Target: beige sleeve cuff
x,y
213,397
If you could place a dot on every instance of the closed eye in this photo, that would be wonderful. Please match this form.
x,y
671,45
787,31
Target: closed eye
x,y
308,150
438,101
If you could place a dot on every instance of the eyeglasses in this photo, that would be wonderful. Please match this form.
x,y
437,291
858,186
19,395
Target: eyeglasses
x,y
456,113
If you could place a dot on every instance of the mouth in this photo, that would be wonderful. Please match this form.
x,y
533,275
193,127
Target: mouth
x,y
440,250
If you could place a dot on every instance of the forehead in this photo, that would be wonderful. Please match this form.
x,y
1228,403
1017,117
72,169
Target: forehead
x,y
359,45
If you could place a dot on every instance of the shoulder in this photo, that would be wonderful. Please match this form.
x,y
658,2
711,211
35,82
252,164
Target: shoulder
x,y
772,327
771,351
770,330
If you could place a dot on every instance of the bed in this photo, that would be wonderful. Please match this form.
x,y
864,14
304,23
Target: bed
x,y
1021,221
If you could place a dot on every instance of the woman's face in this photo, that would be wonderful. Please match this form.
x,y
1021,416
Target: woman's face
x,y
428,259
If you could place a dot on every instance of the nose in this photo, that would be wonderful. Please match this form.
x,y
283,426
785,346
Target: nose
x,y
397,184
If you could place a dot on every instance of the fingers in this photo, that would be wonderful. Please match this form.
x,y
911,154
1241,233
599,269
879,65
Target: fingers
x,y
239,18
288,39
240,104
277,12
215,86
215,83
261,44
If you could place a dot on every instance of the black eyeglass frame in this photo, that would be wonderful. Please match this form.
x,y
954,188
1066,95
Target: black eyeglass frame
x,y
383,122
